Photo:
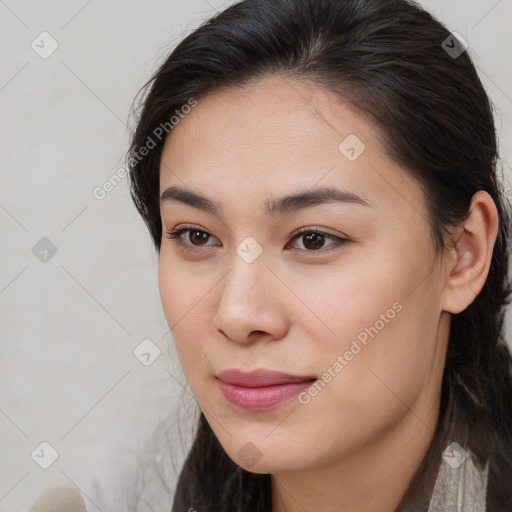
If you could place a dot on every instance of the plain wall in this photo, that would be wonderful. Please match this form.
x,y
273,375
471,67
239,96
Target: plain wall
x,y
69,325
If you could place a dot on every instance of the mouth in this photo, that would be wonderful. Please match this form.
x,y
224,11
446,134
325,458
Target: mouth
x,y
260,390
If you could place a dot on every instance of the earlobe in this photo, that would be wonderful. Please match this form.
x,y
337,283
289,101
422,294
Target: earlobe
x,y
469,261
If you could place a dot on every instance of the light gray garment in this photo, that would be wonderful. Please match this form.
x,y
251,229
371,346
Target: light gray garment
x,y
460,486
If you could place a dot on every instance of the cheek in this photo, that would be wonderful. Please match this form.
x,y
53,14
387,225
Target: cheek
x,y
344,302
386,366
183,296
374,386
381,316
183,289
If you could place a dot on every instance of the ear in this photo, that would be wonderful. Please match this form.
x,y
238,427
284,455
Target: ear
x,y
469,260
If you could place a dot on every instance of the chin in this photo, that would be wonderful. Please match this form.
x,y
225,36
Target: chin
x,y
268,467
262,456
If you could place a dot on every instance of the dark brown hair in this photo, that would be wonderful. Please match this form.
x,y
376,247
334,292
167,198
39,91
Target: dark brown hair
x,y
389,58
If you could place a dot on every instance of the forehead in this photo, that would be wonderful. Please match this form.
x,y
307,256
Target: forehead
x,y
272,116
279,134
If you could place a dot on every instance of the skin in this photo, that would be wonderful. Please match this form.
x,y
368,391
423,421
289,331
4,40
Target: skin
x,y
357,444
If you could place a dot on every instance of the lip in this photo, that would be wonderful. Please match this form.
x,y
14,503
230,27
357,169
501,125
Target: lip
x,y
260,390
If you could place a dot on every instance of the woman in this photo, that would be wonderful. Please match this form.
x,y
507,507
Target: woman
x,y
320,180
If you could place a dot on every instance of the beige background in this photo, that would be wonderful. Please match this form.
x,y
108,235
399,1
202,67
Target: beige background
x,y
69,326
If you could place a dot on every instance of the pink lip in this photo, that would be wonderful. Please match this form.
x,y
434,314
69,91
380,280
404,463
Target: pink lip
x,y
259,390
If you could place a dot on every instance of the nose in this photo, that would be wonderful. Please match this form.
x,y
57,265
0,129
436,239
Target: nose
x,y
249,306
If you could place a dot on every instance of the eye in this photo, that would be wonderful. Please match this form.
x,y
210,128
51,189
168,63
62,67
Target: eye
x,y
196,238
313,240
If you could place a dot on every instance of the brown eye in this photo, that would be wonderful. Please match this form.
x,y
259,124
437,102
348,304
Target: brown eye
x,y
201,237
191,238
313,241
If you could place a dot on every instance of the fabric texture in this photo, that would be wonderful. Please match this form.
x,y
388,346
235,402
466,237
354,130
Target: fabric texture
x,y
460,485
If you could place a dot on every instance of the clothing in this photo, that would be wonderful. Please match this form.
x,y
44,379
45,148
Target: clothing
x,y
460,485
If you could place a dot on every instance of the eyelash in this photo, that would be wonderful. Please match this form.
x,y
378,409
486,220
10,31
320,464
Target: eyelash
x,y
177,234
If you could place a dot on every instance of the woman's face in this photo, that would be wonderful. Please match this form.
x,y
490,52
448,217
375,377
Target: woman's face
x,y
358,306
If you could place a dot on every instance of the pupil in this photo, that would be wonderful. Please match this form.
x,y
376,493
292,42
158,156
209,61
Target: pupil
x,y
316,239
202,236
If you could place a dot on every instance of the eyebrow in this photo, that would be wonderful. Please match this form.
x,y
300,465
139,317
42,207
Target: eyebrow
x,y
282,205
